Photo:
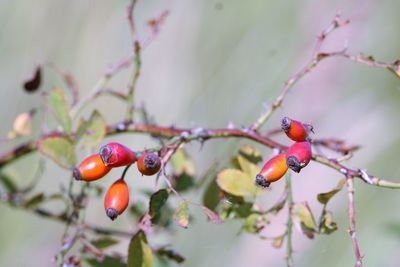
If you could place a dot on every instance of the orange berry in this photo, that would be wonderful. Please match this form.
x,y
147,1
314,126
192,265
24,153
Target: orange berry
x,y
149,163
296,130
273,170
298,155
116,199
91,168
117,155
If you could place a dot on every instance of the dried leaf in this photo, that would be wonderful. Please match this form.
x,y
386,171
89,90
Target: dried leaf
x,y
139,252
278,241
58,103
22,125
59,149
33,84
212,216
238,183
181,215
324,198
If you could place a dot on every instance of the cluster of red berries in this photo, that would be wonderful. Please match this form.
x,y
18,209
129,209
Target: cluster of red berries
x,y
110,156
296,157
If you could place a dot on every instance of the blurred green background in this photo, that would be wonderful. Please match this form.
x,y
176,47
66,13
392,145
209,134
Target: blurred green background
x,y
214,63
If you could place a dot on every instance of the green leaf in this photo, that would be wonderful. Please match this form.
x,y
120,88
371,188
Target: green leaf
x,y
8,183
304,219
92,131
104,242
170,254
108,261
211,196
58,104
323,198
327,225
139,252
212,216
255,222
247,167
34,201
181,215
251,153
237,183
157,200
183,182
182,164
58,149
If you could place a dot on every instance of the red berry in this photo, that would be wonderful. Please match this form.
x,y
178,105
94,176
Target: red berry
x,y
149,163
296,130
117,155
92,168
116,199
273,170
298,155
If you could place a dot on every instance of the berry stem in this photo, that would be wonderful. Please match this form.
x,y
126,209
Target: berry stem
x,y
124,172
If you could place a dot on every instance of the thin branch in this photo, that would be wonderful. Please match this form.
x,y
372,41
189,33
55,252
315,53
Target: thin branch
x,y
316,58
132,85
311,64
352,220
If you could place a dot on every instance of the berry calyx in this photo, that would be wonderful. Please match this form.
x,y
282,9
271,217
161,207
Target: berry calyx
x,y
298,155
90,169
117,155
296,130
149,163
116,199
272,171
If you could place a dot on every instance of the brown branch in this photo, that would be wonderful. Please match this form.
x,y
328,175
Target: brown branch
x,y
352,220
204,134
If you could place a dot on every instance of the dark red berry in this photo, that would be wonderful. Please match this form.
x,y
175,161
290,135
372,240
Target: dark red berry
x,y
298,155
117,155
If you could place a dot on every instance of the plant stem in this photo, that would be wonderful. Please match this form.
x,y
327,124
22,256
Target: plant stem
x,y
352,221
289,248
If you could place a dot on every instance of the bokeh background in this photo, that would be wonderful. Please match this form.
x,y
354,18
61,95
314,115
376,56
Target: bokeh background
x,y
214,63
